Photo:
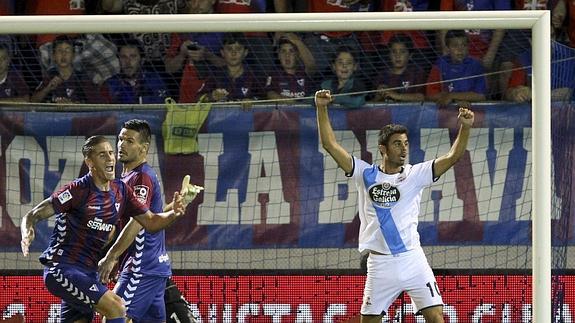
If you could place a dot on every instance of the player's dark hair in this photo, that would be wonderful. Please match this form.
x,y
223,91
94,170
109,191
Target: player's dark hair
x,y
140,126
90,143
389,130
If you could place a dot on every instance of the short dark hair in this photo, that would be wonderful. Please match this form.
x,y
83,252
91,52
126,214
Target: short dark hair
x,y
90,143
232,38
62,39
401,38
140,126
389,130
344,49
451,34
132,42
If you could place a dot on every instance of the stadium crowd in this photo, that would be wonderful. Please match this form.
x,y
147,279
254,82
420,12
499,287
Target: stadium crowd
x,y
383,66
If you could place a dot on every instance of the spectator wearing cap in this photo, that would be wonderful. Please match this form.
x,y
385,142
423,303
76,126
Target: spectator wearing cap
x,y
133,85
293,80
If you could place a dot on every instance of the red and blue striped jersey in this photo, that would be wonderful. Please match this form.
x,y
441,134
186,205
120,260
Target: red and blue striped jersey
x,y
87,221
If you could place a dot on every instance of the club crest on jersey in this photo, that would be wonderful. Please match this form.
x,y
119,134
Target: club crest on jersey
x,y
141,192
384,194
64,196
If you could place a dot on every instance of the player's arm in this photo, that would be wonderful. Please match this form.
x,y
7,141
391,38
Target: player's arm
x,y
326,135
41,211
154,222
125,239
443,163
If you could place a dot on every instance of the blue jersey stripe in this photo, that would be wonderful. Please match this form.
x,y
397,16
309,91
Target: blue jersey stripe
x,y
386,223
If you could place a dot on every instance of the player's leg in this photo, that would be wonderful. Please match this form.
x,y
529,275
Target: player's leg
x,y
111,306
422,288
381,287
81,294
143,296
433,314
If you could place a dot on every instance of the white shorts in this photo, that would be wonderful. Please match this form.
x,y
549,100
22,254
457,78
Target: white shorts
x,y
388,276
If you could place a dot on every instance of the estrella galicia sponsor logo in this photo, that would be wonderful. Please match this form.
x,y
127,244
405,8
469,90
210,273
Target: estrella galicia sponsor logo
x,y
98,224
384,194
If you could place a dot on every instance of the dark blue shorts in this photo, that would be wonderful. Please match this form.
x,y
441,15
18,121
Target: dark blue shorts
x,y
79,290
143,296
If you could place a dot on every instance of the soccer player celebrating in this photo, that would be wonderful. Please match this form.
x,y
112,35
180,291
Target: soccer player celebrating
x,y
89,210
146,266
389,196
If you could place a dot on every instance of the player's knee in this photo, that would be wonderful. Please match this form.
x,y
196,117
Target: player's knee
x,y
433,314
111,306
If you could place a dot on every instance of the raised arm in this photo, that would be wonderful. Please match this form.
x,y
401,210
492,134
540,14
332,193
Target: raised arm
x,y
125,239
443,163
41,211
326,135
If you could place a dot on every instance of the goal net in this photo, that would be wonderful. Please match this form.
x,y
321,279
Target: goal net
x,y
274,202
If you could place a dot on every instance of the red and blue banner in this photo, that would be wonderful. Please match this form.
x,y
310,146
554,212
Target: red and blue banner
x,y
269,184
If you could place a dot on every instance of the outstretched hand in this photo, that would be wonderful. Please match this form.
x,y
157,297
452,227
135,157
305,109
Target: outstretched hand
x,y
466,116
189,191
323,98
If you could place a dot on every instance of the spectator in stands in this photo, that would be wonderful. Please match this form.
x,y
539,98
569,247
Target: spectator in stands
x,y
456,76
259,44
345,66
376,43
517,41
323,45
562,75
54,7
483,44
62,84
194,55
133,85
402,81
95,55
154,45
12,85
236,81
293,80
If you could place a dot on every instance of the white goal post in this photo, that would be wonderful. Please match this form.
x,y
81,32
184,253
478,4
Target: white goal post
x,y
537,21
